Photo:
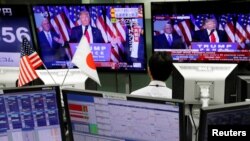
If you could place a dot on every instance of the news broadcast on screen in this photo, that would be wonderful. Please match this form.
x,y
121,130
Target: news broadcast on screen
x,y
231,28
115,34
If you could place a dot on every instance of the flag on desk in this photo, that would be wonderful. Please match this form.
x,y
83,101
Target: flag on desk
x,y
83,59
30,61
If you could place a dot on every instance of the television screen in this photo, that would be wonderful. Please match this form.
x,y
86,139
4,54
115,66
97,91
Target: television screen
x,y
118,117
115,34
14,24
202,31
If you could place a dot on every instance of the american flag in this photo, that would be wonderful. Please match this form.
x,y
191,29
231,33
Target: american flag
x,y
183,28
115,32
73,14
198,20
226,24
59,21
242,31
97,20
30,61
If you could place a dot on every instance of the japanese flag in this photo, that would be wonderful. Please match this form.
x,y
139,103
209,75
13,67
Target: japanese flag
x,y
83,59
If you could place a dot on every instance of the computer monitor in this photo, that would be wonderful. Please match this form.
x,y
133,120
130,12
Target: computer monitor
x,y
204,83
15,24
119,117
232,116
243,87
31,114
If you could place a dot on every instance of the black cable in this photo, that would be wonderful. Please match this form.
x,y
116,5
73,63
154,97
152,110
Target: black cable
x,y
116,82
130,83
192,118
196,134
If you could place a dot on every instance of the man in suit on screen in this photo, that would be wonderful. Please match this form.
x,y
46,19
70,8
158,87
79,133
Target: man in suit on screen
x,y
92,34
51,45
210,33
169,39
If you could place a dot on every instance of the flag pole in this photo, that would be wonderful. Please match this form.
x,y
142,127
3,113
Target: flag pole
x,y
65,75
49,73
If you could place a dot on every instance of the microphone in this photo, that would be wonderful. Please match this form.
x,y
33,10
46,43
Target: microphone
x,y
86,28
211,32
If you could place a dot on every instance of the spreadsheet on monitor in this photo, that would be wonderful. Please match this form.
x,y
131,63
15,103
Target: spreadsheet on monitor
x,y
98,118
30,116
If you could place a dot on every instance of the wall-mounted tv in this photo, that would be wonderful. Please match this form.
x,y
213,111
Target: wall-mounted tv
x,y
115,33
210,31
14,24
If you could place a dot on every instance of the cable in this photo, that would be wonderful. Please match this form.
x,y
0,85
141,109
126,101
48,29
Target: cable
x,y
116,82
130,83
195,127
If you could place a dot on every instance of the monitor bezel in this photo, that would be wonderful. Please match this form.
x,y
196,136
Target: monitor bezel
x,y
128,98
216,108
13,91
99,69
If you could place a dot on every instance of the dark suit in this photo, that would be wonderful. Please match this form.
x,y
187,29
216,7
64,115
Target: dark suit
x,y
202,36
76,35
141,51
161,42
51,54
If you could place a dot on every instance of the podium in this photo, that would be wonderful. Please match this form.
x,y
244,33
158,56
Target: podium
x,y
214,47
101,51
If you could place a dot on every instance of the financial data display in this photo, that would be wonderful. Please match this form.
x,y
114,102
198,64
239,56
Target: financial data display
x,y
97,118
202,32
14,24
29,116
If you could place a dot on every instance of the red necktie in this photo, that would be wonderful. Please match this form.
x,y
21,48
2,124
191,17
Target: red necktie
x,y
87,36
212,37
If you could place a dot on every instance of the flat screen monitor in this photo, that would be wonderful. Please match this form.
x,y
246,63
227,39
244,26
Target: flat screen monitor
x,y
243,87
119,117
31,114
233,116
115,33
192,40
192,80
14,24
